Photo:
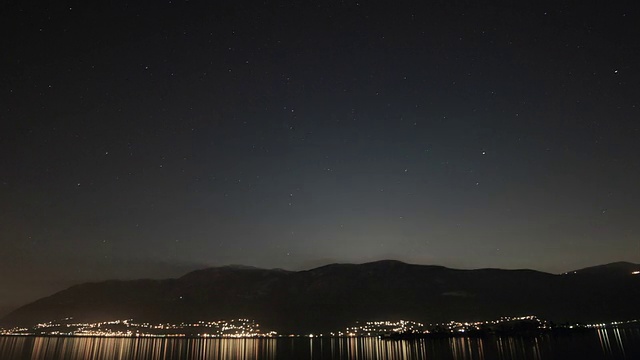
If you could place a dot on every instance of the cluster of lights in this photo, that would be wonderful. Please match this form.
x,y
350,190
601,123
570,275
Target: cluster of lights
x,y
375,328
454,326
614,324
245,328
239,328
382,328
378,328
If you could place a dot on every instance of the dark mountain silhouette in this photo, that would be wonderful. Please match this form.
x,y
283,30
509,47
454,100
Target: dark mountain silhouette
x,y
612,269
4,310
333,296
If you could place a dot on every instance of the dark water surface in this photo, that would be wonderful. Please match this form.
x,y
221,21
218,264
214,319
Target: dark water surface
x,y
600,344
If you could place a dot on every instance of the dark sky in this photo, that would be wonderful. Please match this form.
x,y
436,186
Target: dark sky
x,y
149,138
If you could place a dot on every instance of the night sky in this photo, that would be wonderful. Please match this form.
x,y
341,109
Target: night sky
x,y
151,138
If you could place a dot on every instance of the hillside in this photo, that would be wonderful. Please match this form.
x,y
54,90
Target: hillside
x,y
331,296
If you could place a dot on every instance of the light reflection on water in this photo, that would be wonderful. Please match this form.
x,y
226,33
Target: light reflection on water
x,y
36,348
601,344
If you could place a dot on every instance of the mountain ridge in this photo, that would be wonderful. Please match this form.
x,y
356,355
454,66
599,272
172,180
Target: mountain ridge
x,y
332,295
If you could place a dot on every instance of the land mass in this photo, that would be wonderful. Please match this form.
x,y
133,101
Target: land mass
x,y
328,297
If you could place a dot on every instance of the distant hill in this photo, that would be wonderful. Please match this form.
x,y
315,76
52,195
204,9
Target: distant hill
x,y
615,269
4,310
332,296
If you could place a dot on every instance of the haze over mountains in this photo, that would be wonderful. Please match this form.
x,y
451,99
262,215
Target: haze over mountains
x,y
333,296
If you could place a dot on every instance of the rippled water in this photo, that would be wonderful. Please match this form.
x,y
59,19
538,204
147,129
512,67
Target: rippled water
x,y
601,344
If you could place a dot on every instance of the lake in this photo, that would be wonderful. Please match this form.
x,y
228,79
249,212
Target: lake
x,y
597,344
